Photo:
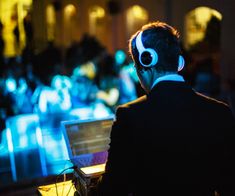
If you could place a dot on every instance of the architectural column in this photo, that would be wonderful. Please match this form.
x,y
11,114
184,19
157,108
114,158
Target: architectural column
x,y
114,9
39,24
59,28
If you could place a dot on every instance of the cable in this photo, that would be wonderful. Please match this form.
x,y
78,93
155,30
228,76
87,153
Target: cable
x,y
72,184
69,189
75,181
64,179
58,175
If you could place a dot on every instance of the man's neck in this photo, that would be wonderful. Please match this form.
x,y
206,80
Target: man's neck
x,y
168,77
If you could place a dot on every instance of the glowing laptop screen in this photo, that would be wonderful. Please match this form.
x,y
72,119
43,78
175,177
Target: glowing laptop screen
x,y
87,136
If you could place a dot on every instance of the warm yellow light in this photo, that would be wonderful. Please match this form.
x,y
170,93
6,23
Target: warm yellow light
x,y
97,12
196,24
139,12
203,15
70,10
93,169
51,21
62,188
50,15
89,70
12,13
136,16
216,14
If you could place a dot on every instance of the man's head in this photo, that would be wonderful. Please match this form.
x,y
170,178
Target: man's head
x,y
155,50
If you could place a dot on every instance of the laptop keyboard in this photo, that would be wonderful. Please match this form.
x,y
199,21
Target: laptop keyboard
x,y
90,159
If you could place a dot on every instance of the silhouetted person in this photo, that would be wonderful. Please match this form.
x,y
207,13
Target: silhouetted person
x,y
28,28
16,33
213,33
48,63
173,141
206,81
108,82
2,45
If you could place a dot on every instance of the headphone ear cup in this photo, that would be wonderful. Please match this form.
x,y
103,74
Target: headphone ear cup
x,y
152,57
181,63
148,57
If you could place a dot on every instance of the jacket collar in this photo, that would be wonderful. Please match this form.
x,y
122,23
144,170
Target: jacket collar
x,y
170,88
169,77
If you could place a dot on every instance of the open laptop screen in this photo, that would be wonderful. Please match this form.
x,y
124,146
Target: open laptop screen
x,y
87,136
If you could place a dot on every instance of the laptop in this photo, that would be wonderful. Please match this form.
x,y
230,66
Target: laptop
x,y
87,142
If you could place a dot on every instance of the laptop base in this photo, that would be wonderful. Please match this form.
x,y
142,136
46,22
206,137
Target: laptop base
x,y
87,179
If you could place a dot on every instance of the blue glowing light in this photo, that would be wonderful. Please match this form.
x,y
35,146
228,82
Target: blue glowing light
x,y
77,71
42,155
132,72
47,96
61,82
67,82
120,57
3,144
22,85
11,149
39,136
55,147
100,111
66,102
82,113
23,141
9,140
57,82
21,125
22,130
54,100
10,84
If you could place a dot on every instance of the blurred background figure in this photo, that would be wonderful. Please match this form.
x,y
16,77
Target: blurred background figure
x,y
48,63
108,82
28,29
127,77
56,97
2,44
84,87
206,80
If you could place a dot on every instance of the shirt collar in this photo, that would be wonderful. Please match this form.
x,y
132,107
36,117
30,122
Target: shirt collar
x,y
169,77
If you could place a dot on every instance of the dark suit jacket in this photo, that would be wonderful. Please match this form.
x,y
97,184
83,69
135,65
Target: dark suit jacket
x,y
173,141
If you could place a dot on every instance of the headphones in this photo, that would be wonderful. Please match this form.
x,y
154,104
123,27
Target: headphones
x,y
148,57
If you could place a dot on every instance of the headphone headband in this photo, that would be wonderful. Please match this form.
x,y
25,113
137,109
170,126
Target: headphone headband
x,y
139,44
145,53
148,57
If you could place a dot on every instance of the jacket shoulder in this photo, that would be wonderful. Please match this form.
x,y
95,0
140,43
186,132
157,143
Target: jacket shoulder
x,y
212,101
137,101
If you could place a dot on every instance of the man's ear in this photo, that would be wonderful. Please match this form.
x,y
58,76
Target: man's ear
x,y
181,63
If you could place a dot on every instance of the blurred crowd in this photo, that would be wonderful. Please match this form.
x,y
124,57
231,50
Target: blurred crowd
x,y
86,76
85,79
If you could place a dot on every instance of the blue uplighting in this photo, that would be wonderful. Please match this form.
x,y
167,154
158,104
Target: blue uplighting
x,y
9,140
10,84
120,57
